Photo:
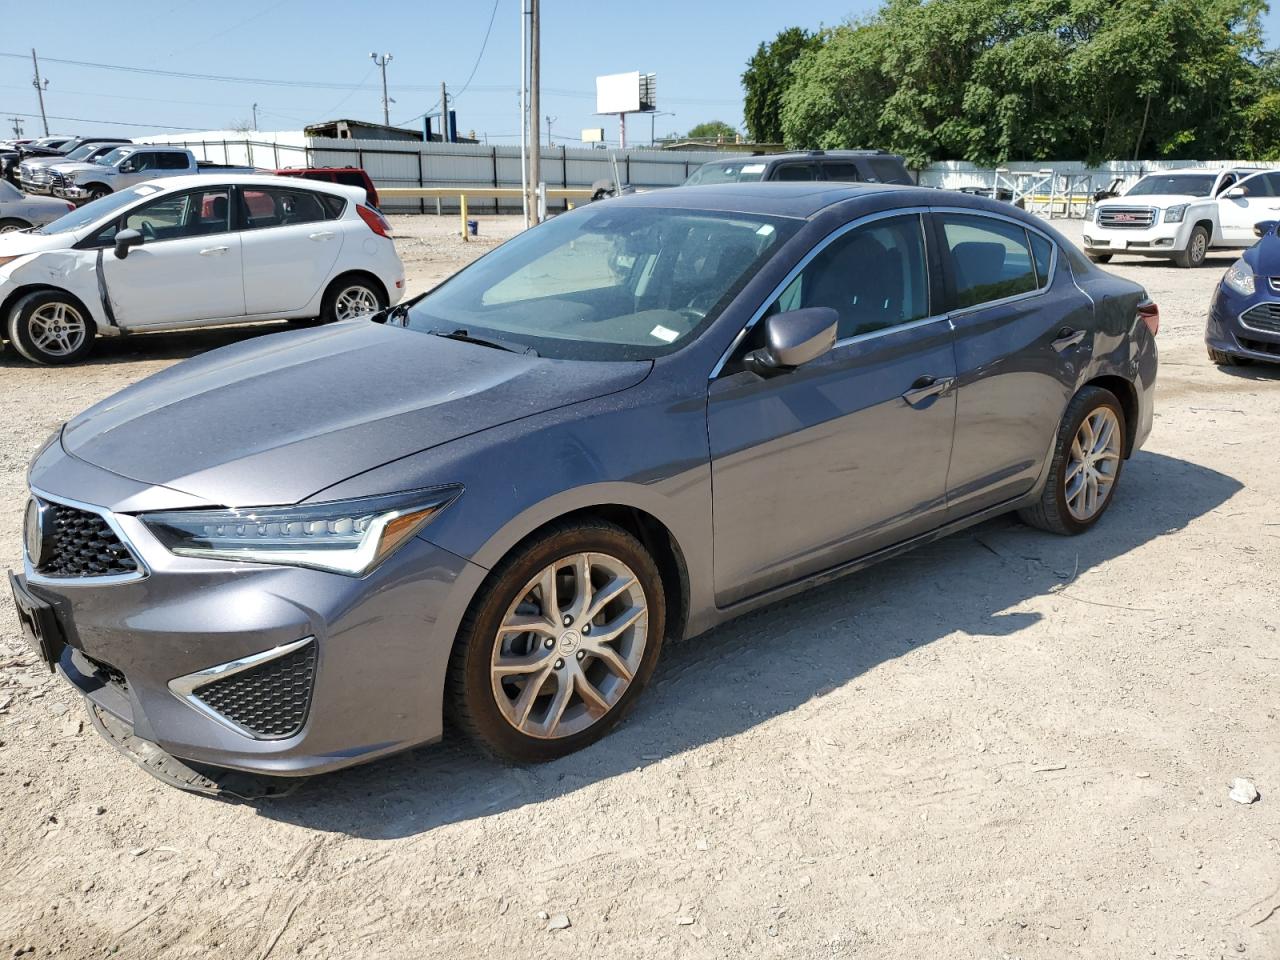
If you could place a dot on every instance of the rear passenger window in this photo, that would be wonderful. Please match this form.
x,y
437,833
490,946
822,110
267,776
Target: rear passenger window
x,y
172,161
874,277
1258,185
886,170
794,171
990,259
277,207
844,172
333,206
1042,250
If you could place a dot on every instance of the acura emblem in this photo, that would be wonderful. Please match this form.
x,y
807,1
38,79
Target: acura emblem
x,y
35,537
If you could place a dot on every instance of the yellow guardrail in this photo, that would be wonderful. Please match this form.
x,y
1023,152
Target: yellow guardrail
x,y
479,191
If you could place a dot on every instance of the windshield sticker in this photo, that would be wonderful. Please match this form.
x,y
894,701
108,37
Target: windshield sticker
x,y
663,334
753,168
766,230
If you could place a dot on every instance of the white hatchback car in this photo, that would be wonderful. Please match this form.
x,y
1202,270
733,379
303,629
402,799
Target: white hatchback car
x,y
195,251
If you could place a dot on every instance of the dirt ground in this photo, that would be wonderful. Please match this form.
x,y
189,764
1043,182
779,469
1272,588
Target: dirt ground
x,y
1006,744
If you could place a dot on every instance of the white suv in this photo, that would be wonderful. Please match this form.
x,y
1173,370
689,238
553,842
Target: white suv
x,y
1182,214
195,251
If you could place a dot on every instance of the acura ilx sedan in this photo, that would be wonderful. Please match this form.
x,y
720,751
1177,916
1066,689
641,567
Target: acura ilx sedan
x,y
495,503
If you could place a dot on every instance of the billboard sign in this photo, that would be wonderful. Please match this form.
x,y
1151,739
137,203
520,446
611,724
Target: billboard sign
x,y
633,92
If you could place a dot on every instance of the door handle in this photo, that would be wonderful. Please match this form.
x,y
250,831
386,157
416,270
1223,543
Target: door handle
x,y
926,387
1068,338
213,251
322,235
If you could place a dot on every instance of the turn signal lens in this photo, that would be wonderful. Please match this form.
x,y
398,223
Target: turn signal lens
x,y
1149,314
374,220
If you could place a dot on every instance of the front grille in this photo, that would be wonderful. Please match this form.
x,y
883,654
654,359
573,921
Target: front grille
x,y
1265,317
57,179
1123,217
269,701
80,543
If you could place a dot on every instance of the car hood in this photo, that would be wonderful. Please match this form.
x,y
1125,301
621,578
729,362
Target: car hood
x,y
1160,200
20,243
279,418
79,166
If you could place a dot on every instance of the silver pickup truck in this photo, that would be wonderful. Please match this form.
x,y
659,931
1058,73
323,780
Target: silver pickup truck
x,y
126,166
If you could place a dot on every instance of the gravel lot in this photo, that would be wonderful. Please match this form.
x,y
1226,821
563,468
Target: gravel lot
x,y
1004,744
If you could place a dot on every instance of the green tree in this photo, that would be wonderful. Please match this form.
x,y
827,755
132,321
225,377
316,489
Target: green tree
x,y
766,79
997,80
712,130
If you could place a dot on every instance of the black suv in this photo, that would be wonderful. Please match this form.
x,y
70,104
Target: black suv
x,y
846,166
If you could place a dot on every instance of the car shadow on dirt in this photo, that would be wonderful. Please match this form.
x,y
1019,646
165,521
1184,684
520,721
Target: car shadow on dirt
x,y
770,662
1258,372
178,345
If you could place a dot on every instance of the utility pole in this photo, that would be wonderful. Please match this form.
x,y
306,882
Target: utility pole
x,y
17,127
386,101
444,113
524,109
255,116
535,138
41,87
550,121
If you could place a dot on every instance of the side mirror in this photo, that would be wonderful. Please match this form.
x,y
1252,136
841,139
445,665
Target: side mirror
x,y
1265,227
127,167
126,240
1235,193
794,338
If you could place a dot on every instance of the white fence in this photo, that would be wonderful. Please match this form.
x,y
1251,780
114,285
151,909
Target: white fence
x,y
955,174
398,163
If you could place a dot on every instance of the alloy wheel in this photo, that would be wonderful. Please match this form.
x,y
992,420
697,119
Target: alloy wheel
x,y
569,646
355,301
1093,464
57,329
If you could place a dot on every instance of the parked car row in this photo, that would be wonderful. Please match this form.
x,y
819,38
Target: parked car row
x,y
21,212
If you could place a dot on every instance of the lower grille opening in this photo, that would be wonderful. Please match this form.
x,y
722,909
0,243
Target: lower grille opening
x,y
269,701
107,673
1260,346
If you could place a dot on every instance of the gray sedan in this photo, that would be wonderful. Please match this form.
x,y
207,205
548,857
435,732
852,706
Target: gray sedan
x,y
18,211
497,502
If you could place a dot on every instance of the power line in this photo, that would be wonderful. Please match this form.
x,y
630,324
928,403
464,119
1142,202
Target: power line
x,y
474,67
115,123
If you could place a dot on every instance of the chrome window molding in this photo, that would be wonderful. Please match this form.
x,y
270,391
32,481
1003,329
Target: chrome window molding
x,y
919,211
29,571
186,688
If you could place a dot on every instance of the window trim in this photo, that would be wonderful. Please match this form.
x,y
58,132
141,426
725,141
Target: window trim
x,y
944,254
821,245
92,243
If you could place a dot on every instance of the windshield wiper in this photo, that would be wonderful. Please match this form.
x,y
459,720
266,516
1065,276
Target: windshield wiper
x,y
463,335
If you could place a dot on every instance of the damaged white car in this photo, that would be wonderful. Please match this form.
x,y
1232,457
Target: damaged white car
x,y
194,251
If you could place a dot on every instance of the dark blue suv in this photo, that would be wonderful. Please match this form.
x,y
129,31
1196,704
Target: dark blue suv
x,y
1244,318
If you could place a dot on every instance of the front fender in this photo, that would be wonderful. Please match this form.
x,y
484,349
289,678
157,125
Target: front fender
x,y
72,271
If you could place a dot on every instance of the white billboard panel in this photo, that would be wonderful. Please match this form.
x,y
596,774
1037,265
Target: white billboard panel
x,y
593,134
618,93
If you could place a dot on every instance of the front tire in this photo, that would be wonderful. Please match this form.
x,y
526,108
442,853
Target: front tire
x,y
560,641
1087,460
350,297
10,224
1197,249
96,192
1226,359
50,328
1099,257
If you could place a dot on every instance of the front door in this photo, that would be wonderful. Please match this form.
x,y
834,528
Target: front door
x,y
1238,215
1023,333
847,454
187,268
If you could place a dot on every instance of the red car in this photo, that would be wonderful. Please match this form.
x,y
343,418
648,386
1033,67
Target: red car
x,y
350,176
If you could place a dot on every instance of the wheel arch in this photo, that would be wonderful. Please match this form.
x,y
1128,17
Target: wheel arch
x,y
1127,394
14,298
348,275
1215,233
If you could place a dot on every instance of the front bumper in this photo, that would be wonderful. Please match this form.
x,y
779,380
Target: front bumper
x,y
1227,332
70,192
379,645
1160,239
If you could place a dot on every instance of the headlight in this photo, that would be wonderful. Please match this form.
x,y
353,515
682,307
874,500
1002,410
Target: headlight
x,y
1175,214
344,536
1240,278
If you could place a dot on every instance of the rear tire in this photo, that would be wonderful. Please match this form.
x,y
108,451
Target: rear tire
x,y
1065,506
51,328
588,671
97,193
1100,257
1197,249
350,296
10,224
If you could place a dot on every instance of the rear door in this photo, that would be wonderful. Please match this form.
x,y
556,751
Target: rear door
x,y
842,456
1023,333
290,247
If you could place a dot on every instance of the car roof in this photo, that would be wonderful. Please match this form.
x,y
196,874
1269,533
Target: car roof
x,y
804,155
188,181
798,199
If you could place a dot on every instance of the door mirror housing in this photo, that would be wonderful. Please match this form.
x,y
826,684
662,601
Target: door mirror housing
x,y
125,241
794,338
1264,227
1235,193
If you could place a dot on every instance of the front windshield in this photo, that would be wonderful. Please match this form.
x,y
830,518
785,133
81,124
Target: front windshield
x,y
114,157
740,171
97,209
1177,184
82,151
605,282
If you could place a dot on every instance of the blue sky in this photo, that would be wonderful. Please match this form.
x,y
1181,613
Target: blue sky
x,y
321,48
